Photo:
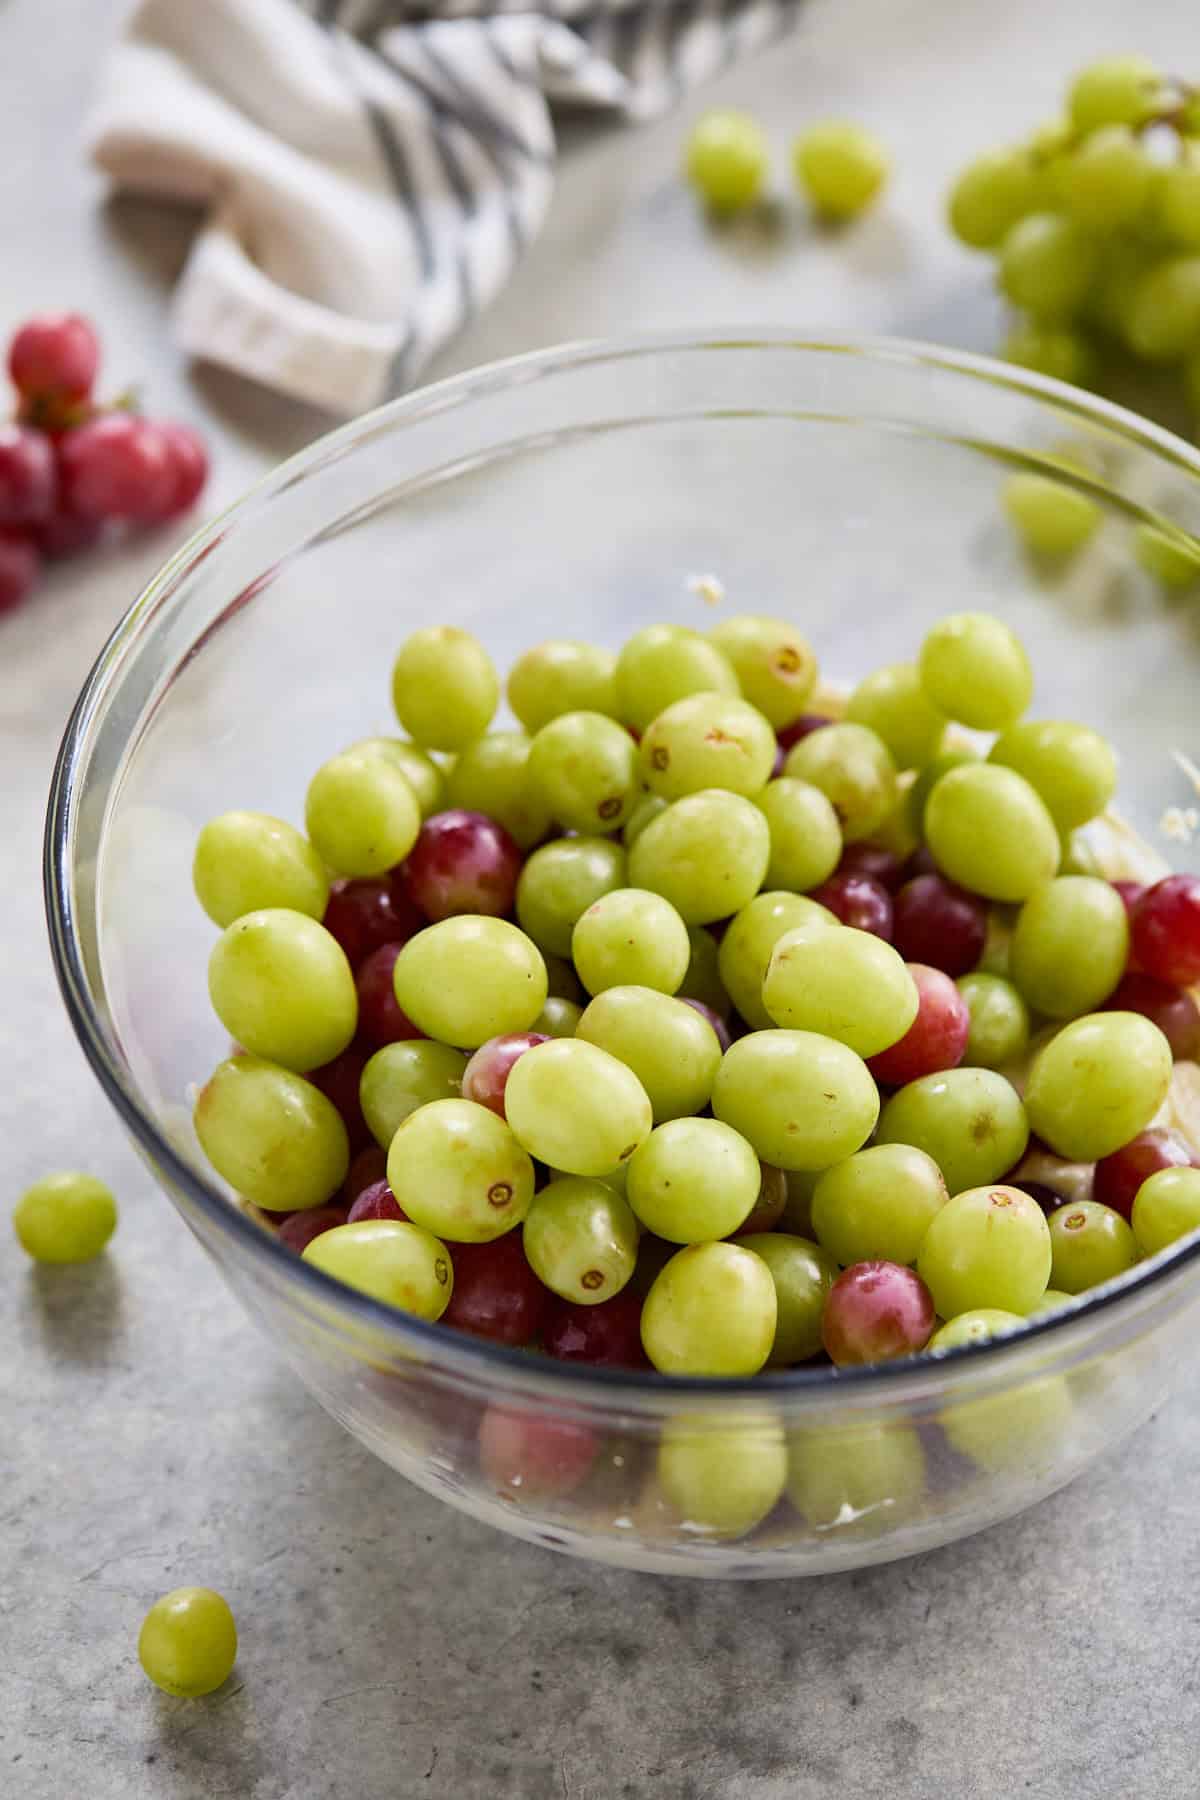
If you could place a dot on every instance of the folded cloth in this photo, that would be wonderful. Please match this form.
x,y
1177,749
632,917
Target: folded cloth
x,y
372,170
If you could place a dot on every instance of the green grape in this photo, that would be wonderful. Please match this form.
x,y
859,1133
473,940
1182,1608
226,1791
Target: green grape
x,y
1179,198
1115,90
702,980
978,1327
722,1480
561,977
806,839
1070,946
561,676
1051,350
444,687
1019,1432
283,989
692,1180
670,1047
749,939
574,1106
710,1311
803,1275
456,1168
1097,1084
999,1032
468,979
727,160
422,774
857,1478
802,1101
971,1121
707,741
992,194
918,794
246,861
559,882
1051,1301
878,1204
647,808
581,1240
492,776
1089,1243
664,663
975,670
402,1077
774,664
1047,264
361,813
797,1210
1052,137
707,854
1053,519
840,166
614,1181
188,1642
896,833
67,1217
1105,182
391,1260
1166,1208
271,1135
1163,318
559,1018
1070,766
631,938
987,1247
989,831
853,768
583,767
1173,560
893,703
847,985
1108,305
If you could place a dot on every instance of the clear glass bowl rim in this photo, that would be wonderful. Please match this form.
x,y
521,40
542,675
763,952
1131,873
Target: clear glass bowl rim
x,y
456,1352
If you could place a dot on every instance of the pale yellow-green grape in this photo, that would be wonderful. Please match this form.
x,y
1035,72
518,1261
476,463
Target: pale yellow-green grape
x,y
774,664
1179,198
456,1168
664,663
581,1239
1070,766
703,978
1054,519
1163,317
802,1101
707,854
806,839
561,978
283,989
1051,1301
1070,946
750,937
1106,181
1115,90
978,1327
840,166
361,813
1172,561
989,830
271,1135
401,1077
1000,1028
470,978
647,808
561,676
971,1121
1019,1432
878,1204
671,1048
1054,350
711,1311
188,1642
797,1211
707,741
1097,1084
975,670
727,160
897,832
857,1478
803,1274
492,776
722,1480
692,1180
583,767
1166,1208
391,1260
631,938
424,777
917,798
847,985
67,1217
988,1247
559,1018
992,193
853,768
559,882
1090,1244
575,1107
245,861
1047,264
894,704
444,687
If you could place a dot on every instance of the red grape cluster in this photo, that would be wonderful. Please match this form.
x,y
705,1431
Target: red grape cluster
x,y
70,469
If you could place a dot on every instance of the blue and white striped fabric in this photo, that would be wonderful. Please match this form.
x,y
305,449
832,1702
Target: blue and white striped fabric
x,y
372,169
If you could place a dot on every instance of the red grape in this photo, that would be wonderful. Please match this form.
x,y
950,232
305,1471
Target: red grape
x,y
463,862
363,914
714,1018
54,357
940,924
768,1209
20,566
380,1019
883,865
377,1202
1119,1176
188,458
27,476
338,1081
66,534
874,1311
533,1457
803,727
608,1335
1130,892
1166,930
116,466
496,1293
300,1228
1172,1009
777,765
937,1037
367,1170
858,900
1048,1198
486,1075
921,862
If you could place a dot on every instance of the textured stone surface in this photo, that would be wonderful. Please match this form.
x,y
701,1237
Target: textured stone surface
x,y
149,1437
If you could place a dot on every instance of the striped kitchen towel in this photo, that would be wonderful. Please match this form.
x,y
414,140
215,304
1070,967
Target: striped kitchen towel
x,y
372,169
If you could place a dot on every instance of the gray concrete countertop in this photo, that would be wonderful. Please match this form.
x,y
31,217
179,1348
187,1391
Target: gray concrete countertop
x,y
149,1437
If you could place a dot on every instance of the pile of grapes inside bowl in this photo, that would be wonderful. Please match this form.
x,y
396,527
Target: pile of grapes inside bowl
x,y
642,905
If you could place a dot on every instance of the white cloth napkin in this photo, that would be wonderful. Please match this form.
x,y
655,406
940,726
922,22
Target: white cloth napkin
x,y
372,170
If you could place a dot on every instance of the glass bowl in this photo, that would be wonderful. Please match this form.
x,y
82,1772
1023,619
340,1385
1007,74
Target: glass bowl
x,y
854,486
